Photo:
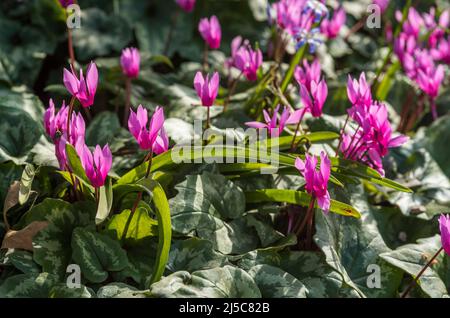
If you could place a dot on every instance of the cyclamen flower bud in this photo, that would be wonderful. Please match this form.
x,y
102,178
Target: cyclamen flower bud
x,y
186,5
130,62
210,31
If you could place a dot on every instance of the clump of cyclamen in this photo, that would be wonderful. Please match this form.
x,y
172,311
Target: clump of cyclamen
x,y
210,31
130,61
316,180
373,137
419,58
96,165
55,125
244,58
304,20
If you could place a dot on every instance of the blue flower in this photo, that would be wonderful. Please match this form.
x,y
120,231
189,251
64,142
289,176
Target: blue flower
x,y
303,36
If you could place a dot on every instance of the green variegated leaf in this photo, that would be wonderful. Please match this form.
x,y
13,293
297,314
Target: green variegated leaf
x,y
345,241
28,285
194,254
97,254
52,244
411,258
20,259
62,291
310,268
120,290
273,282
222,282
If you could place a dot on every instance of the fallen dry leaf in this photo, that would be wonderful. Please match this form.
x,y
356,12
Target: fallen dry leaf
x,y
12,198
23,238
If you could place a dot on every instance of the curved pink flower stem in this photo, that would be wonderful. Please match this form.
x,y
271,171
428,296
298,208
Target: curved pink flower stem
x,y
309,212
127,101
420,273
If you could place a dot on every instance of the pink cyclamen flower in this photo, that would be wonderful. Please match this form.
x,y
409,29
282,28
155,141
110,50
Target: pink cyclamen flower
x,y
442,51
161,143
316,180
207,89
382,4
413,22
186,5
248,61
358,91
314,99
275,125
210,31
130,61
235,45
83,88
371,142
65,3
137,124
430,81
97,164
55,123
308,73
331,27
444,227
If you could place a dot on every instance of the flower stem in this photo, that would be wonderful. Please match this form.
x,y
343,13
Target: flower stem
x,y
290,72
97,196
342,133
70,48
69,117
420,273
208,118
346,155
148,158
205,58
307,217
388,56
231,92
297,129
127,101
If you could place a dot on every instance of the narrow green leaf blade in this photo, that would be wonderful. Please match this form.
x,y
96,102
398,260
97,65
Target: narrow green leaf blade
x,y
297,197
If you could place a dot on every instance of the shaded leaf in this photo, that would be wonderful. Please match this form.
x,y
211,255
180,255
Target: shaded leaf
x,y
97,254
